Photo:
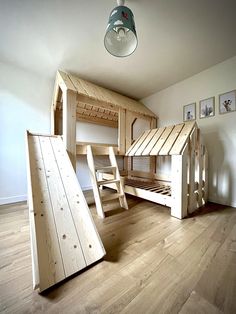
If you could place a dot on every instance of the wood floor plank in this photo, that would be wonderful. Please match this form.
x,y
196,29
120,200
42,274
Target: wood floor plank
x,y
197,304
154,264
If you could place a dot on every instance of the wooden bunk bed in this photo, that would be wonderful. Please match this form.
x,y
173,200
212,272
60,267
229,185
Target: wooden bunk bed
x,y
186,187
75,99
184,190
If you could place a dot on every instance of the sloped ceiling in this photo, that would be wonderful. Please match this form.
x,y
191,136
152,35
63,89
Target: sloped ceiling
x,y
177,39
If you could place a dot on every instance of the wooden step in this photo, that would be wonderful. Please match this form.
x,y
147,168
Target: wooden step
x,y
108,181
105,169
110,197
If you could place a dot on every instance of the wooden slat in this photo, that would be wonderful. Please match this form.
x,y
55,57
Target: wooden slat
x,y
153,141
46,251
182,138
91,244
97,120
179,188
171,139
138,143
71,250
97,150
121,130
157,147
97,113
69,124
145,142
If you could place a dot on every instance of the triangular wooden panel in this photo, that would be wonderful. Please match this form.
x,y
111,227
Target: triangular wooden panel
x,y
163,141
64,238
171,139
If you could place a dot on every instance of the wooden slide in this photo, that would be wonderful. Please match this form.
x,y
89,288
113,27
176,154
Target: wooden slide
x,y
64,239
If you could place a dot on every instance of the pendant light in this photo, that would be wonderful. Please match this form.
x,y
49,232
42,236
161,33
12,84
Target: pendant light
x,y
121,38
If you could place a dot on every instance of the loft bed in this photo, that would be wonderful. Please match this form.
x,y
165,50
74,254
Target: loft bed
x,y
75,99
186,187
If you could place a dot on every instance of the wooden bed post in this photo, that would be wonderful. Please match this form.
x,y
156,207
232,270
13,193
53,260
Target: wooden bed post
x,y
69,124
153,159
199,167
179,187
121,131
192,203
205,174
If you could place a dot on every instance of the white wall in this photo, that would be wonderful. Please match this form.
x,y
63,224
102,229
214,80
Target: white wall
x,y
24,104
88,132
219,132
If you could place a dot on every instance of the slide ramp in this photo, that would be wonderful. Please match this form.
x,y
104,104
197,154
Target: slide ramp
x,y
64,239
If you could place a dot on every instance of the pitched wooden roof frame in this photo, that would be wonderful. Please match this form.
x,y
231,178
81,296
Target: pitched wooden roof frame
x,y
97,96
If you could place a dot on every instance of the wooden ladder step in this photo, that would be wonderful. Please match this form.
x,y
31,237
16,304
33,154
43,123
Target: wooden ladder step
x,y
105,169
107,181
110,197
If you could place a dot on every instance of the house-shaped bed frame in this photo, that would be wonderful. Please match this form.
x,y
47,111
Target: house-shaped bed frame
x,y
184,189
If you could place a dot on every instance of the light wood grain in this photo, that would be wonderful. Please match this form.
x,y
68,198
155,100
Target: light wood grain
x,y
64,238
154,264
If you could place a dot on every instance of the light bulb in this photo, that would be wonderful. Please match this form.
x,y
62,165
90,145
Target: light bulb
x,y
121,35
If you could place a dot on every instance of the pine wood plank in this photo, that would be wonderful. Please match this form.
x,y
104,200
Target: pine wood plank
x,y
161,141
153,141
48,255
72,254
96,192
138,142
121,131
69,124
182,138
90,241
145,142
171,139
179,186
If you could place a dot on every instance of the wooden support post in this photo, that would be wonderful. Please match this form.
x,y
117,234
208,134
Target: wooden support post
x,y
205,174
52,120
93,177
153,159
129,121
192,201
121,131
69,124
179,186
199,166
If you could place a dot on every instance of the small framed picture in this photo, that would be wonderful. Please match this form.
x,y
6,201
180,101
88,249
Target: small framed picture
x,y
227,102
207,107
190,112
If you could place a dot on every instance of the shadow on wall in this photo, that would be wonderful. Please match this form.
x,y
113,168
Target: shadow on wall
x,y
220,171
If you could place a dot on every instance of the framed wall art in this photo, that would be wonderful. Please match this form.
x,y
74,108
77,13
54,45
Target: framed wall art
x,y
227,102
207,107
189,112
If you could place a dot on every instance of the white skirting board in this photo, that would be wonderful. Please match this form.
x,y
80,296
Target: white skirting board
x,y
12,199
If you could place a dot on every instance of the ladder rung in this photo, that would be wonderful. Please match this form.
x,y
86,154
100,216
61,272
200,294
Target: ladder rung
x,y
104,169
111,197
108,181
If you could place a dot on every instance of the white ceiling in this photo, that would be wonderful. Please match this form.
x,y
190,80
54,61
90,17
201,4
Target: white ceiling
x,y
177,38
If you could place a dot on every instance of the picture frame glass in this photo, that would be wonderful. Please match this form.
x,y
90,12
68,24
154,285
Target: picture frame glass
x,y
190,112
227,102
207,107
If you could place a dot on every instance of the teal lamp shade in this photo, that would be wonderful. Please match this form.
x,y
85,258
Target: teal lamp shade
x,y
121,38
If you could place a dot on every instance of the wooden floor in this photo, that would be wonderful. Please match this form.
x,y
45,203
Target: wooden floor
x,y
154,264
